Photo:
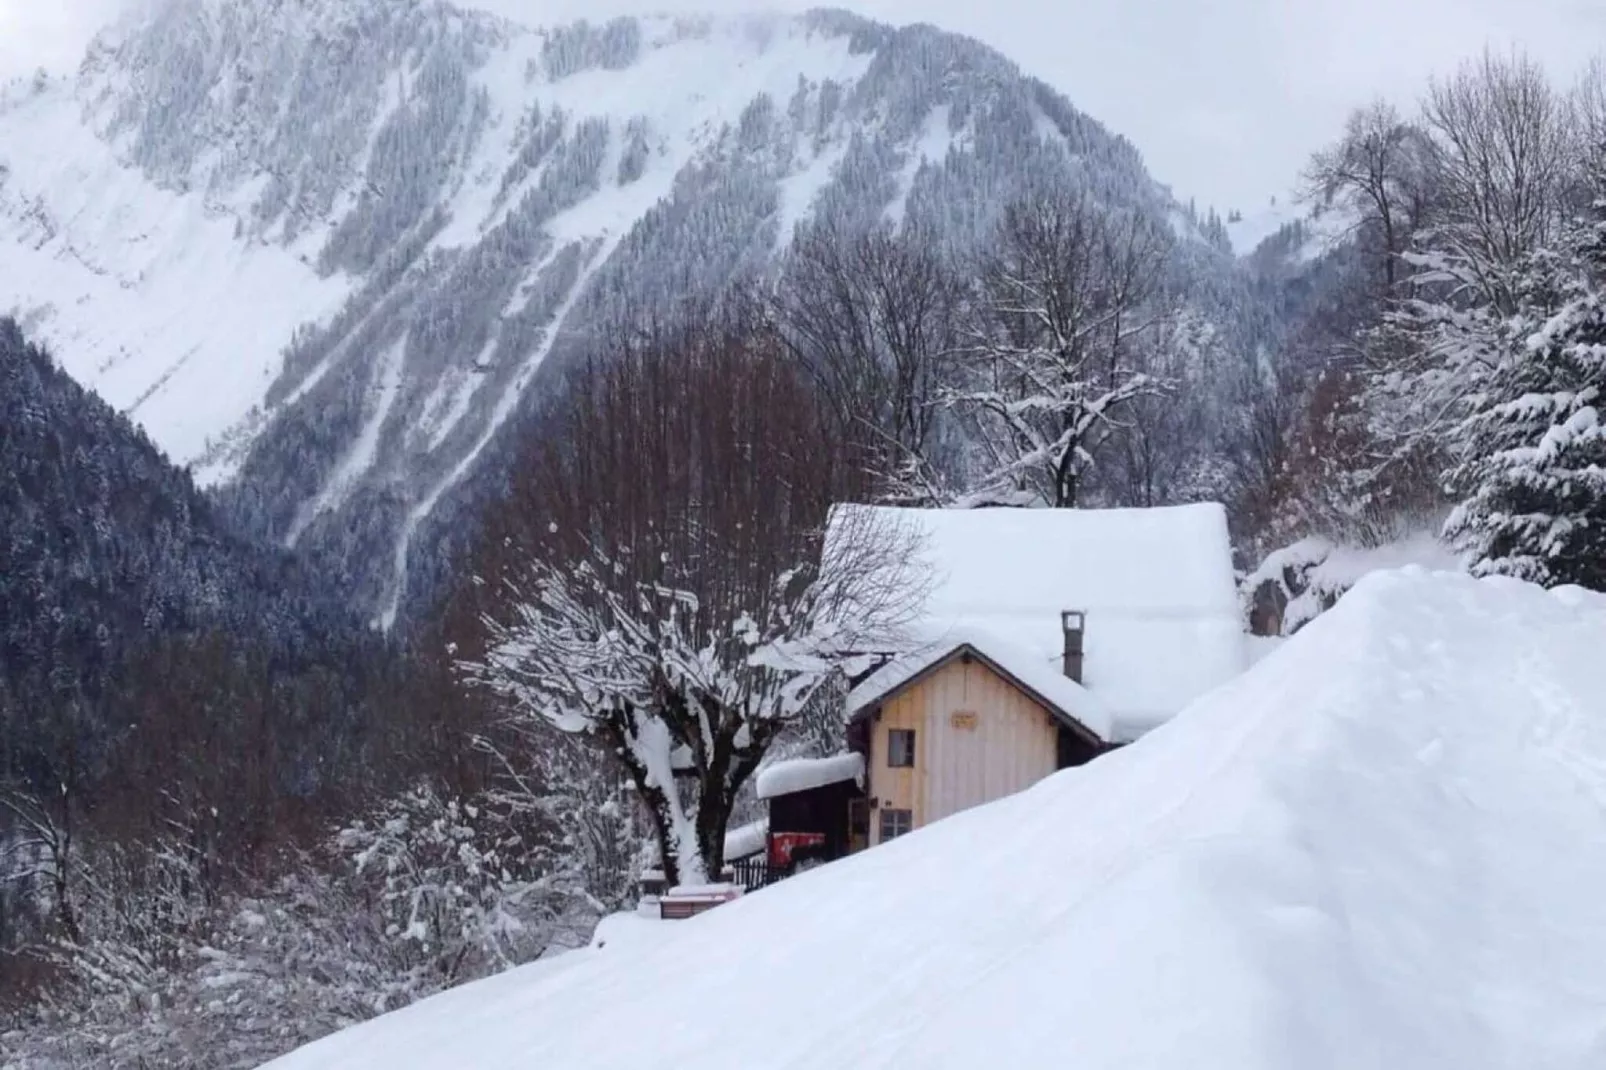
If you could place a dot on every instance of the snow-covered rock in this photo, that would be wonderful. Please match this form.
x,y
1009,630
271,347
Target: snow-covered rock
x,y
1297,583
1382,847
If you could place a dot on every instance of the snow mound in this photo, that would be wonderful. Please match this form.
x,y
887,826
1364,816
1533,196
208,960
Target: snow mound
x,y
1384,846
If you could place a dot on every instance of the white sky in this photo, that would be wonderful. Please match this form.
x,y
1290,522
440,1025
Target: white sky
x,y
1225,98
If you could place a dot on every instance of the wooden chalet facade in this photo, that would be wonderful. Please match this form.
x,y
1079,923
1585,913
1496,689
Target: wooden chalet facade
x,y
963,732
946,730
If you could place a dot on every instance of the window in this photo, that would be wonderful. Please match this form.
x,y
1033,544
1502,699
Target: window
x,y
901,748
895,823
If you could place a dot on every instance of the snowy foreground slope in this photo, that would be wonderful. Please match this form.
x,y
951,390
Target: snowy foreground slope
x,y
1383,847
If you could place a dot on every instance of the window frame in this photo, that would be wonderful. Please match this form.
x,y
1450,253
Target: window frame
x,y
892,751
894,817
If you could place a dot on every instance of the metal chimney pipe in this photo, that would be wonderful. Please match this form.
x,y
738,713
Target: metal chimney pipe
x,y
1074,622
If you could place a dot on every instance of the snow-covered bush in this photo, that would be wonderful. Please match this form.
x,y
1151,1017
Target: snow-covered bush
x,y
460,888
1301,581
424,892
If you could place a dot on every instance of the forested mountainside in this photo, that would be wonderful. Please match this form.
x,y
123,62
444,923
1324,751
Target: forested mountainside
x,y
187,715
146,651
422,214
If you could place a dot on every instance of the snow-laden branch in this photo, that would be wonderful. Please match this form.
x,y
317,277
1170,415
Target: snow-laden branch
x,y
691,690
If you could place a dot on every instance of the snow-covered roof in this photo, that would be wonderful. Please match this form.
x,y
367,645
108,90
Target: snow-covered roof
x,y
801,774
1044,679
1163,622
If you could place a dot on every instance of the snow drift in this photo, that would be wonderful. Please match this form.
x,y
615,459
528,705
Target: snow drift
x,y
1382,847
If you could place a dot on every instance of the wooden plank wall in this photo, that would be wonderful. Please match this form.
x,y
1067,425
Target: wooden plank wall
x,y
1011,746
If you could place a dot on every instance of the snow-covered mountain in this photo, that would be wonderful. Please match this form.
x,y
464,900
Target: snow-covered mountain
x,y
1382,847
325,250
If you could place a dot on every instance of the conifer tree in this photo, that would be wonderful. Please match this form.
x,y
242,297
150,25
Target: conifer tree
x,y
1532,449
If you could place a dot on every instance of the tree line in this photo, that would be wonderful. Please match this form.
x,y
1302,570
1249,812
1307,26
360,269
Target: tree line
x,y
232,818
1452,381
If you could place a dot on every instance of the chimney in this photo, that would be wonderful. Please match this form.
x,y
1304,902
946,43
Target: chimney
x,y
1074,621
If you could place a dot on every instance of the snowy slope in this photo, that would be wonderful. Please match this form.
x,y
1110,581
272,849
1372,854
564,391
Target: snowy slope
x,y
147,295
1383,847
1246,230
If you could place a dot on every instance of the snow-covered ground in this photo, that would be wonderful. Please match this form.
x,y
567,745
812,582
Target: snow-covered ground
x,y
1384,846
1247,229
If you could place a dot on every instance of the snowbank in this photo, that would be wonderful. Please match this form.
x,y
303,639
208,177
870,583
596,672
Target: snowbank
x,y
1384,846
801,774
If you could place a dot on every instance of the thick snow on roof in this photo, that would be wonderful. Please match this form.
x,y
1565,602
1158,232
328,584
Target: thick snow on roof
x,y
1383,846
1045,678
801,774
1163,623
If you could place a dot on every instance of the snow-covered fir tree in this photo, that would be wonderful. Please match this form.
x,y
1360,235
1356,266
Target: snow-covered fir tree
x,y
1531,450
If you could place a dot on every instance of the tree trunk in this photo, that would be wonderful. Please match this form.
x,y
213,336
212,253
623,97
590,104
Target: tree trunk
x,y
674,830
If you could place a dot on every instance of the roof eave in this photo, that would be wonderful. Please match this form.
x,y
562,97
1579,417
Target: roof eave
x,y
1064,716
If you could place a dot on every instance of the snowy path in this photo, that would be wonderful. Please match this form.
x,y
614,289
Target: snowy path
x,y
1384,847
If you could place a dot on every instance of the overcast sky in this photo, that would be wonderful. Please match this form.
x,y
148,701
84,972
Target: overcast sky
x,y
1225,98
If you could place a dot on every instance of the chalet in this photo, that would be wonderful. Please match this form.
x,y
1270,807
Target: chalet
x,y
1049,637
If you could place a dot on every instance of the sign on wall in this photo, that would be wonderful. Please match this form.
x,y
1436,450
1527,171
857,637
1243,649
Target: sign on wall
x,y
963,719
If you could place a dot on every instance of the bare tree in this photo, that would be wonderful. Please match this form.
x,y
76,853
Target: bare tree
x,y
40,848
1053,356
874,318
1158,451
1504,159
1589,124
1507,167
1381,170
684,604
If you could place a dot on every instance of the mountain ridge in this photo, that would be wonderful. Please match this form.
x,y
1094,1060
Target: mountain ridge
x,y
420,212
